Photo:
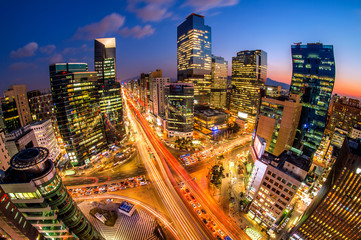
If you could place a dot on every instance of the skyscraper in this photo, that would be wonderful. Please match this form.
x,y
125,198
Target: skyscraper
x,y
109,89
33,185
335,212
179,109
157,97
313,79
16,108
219,82
194,56
76,104
249,73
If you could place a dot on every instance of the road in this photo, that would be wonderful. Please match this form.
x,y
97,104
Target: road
x,y
166,157
186,225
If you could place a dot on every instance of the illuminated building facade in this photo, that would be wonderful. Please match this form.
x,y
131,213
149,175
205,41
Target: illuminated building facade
x,y
219,82
18,94
313,79
278,121
157,97
13,224
273,184
249,73
273,91
194,56
335,212
111,105
345,113
209,121
33,185
179,109
144,83
4,154
76,104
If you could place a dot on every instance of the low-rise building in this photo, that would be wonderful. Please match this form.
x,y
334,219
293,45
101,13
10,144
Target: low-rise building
x,y
208,120
38,134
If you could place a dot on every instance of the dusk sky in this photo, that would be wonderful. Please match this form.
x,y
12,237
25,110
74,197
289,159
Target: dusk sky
x,y
36,33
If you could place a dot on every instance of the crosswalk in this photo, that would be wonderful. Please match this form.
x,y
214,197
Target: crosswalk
x,y
139,226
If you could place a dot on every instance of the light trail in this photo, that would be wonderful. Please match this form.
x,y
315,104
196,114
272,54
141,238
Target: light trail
x,y
185,224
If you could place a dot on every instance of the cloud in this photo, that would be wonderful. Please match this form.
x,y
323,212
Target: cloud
x,y
150,10
20,66
108,25
56,58
205,5
27,51
137,31
48,49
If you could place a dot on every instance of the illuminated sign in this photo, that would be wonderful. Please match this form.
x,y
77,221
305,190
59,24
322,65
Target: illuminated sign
x,y
358,170
242,115
259,146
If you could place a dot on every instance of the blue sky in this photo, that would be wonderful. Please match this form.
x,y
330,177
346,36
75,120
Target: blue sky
x,y
36,33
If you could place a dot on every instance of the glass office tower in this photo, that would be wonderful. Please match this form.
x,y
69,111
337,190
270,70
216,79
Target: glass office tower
x,y
33,185
249,74
313,79
76,105
109,89
194,56
179,110
219,82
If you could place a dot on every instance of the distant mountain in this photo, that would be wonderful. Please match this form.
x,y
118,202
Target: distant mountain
x,y
275,83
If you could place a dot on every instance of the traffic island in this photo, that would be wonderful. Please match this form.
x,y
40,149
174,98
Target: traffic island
x,y
105,216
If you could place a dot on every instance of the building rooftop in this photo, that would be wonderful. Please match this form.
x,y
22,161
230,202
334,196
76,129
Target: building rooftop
x,y
126,206
209,112
355,146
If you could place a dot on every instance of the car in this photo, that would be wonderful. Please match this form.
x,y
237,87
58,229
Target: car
x,y
204,211
131,178
199,212
113,184
194,200
87,193
143,183
205,221
227,238
187,190
198,205
96,192
104,191
193,205
221,233
182,184
110,200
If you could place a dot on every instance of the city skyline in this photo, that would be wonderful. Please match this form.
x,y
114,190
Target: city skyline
x,y
146,33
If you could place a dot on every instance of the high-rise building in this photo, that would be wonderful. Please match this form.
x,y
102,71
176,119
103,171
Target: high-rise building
x,y
111,104
18,93
42,108
76,104
335,211
273,91
219,82
157,97
179,109
273,184
194,56
249,73
10,115
4,154
313,79
278,121
345,113
33,185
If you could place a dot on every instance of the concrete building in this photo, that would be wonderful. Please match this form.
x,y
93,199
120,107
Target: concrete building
x,y
219,82
208,120
18,93
344,114
157,97
37,134
4,154
249,74
273,184
273,91
335,212
278,121
33,185
179,109
356,132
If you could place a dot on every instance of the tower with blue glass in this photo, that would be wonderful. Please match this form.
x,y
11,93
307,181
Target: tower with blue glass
x,y
313,79
194,56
